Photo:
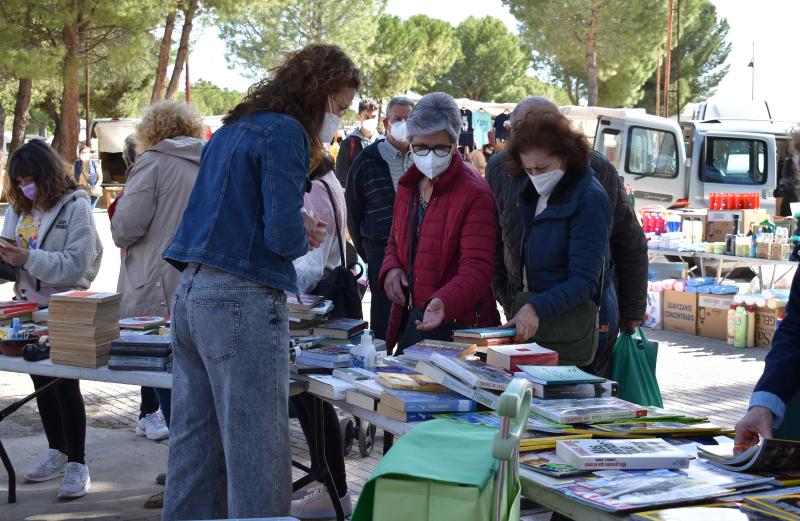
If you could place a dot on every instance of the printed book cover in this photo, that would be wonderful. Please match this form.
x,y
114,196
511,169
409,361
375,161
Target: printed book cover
x,y
559,375
618,491
410,382
511,356
549,463
641,454
418,401
423,350
486,332
302,302
587,410
473,372
149,322
86,296
787,505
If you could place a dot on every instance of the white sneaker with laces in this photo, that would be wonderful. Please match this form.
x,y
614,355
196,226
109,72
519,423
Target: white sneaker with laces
x,y
50,466
318,505
153,426
76,481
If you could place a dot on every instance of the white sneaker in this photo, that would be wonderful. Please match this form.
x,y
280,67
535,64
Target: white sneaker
x,y
76,481
50,466
153,426
318,505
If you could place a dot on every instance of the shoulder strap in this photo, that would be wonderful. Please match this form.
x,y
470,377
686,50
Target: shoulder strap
x,y
353,143
335,222
412,246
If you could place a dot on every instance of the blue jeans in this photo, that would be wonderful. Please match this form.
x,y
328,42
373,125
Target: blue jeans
x,y
229,453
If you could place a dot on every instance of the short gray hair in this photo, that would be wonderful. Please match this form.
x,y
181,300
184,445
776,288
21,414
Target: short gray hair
x,y
129,150
529,105
399,101
434,112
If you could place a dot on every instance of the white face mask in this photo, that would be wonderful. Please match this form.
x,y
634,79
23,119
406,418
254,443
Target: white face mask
x,y
398,130
432,165
370,125
329,126
547,181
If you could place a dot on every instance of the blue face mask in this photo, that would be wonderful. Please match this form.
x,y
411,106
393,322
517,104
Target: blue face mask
x,y
29,191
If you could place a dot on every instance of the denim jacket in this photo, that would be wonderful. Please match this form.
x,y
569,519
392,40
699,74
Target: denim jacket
x,y
243,216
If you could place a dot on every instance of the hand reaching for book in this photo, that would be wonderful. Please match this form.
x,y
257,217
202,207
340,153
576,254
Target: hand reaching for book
x,y
756,423
527,323
433,317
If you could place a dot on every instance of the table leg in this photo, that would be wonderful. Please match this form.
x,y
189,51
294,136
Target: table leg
x,y
388,441
12,476
324,471
702,262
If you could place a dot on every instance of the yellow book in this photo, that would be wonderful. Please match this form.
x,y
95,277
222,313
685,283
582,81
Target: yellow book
x,y
408,382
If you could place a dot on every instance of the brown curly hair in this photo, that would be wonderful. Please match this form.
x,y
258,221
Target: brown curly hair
x,y
167,120
52,175
300,88
547,129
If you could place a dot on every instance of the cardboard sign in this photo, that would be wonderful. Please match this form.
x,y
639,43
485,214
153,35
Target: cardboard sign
x,y
765,325
712,315
720,223
680,312
653,315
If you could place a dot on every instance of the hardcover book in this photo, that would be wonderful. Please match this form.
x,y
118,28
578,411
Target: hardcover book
x,y
511,356
587,410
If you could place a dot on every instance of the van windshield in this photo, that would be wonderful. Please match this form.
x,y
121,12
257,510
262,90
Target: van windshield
x,y
651,152
734,161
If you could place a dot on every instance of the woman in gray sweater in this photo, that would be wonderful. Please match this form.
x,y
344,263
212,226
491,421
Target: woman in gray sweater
x,y
52,239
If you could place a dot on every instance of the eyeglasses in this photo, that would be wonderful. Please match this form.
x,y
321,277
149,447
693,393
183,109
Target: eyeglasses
x,y
438,150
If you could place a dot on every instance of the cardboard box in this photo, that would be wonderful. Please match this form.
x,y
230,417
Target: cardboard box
x,y
762,250
680,312
765,325
778,251
653,315
712,315
720,222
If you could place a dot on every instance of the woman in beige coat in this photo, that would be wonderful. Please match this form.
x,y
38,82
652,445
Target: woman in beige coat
x,y
146,217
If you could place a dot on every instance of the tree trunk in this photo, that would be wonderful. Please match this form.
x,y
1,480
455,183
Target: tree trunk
x,y
183,49
573,99
51,108
591,57
163,58
21,114
66,143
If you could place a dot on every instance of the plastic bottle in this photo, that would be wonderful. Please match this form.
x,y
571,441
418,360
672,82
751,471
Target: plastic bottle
x,y
697,230
363,355
731,317
660,226
751,326
740,327
15,329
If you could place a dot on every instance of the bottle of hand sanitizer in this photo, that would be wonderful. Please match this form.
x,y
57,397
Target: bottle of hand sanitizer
x,y
363,355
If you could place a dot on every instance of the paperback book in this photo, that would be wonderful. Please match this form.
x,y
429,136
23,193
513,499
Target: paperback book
x,y
302,302
408,382
425,349
511,356
559,375
360,399
328,386
565,392
341,328
417,401
370,388
549,463
587,410
142,323
486,332
483,396
403,416
600,454
351,374
473,372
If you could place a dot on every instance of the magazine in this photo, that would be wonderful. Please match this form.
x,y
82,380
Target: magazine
x,y
785,505
548,463
473,372
621,490
771,455
707,473
661,428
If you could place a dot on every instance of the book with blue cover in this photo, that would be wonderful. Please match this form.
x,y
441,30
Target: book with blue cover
x,y
419,401
559,375
486,332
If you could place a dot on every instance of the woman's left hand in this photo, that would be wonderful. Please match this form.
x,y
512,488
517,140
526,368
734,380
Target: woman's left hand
x,y
14,255
527,323
434,316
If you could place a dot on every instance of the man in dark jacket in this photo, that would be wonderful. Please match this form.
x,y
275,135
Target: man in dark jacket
x,y
779,382
358,139
628,245
370,193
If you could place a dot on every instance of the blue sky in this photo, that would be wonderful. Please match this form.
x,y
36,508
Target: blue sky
x,y
770,24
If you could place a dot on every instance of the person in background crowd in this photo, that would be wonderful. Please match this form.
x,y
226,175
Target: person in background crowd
x,y
788,188
371,186
441,247
145,219
779,383
129,155
358,139
627,243
337,143
567,219
89,174
57,249
229,319
478,158
311,268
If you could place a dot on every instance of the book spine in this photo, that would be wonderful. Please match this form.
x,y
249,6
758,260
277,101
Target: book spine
x,y
578,391
594,418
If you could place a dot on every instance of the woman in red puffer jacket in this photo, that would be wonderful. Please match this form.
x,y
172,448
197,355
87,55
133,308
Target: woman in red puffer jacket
x,y
441,248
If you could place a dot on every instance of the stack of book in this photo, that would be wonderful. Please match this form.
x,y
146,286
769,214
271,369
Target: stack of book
x,y
471,378
425,349
82,325
485,336
341,328
138,352
306,312
510,357
565,382
20,309
411,406
327,357
147,323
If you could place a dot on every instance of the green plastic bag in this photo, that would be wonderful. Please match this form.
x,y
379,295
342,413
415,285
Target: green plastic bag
x,y
633,366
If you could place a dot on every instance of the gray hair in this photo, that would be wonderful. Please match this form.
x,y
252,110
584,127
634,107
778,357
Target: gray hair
x,y
129,150
399,101
528,105
434,112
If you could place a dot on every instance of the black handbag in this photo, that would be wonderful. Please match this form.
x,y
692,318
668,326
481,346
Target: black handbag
x,y
8,272
574,333
340,285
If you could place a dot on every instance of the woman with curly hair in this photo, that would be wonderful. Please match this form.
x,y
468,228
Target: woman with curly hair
x,y
49,233
243,227
145,219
